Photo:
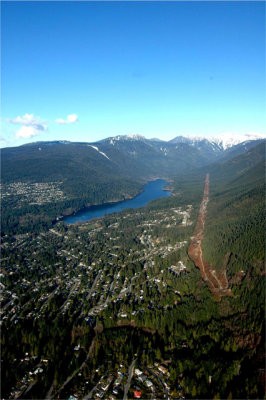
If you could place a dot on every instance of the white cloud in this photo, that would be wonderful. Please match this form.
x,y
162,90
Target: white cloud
x,y
31,125
27,132
71,119
29,120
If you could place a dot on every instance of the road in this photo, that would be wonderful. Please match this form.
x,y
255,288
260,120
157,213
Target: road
x,y
75,372
92,288
31,384
130,287
50,391
69,295
29,387
157,376
130,374
110,290
89,396
46,300
90,293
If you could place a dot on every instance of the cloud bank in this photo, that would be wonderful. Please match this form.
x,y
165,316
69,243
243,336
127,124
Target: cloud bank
x,y
71,119
31,125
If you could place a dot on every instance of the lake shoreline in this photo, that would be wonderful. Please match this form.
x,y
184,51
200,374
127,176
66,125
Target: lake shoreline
x,y
94,208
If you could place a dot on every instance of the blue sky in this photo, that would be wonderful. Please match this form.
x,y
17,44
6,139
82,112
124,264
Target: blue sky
x,y
83,71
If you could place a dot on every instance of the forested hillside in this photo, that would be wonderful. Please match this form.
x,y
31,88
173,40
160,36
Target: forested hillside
x,y
234,230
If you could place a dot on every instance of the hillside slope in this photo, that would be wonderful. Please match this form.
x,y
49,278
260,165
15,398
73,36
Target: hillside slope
x,y
234,232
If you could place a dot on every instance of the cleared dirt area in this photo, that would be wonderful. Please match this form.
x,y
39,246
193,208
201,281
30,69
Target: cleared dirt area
x,y
217,280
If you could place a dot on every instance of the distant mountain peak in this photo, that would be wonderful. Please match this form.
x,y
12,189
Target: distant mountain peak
x,y
124,138
222,142
129,137
228,140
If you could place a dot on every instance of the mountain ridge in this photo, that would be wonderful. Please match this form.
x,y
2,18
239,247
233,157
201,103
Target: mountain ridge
x,y
123,156
100,172
224,141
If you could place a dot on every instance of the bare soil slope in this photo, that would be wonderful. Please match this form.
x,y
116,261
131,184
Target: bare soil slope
x,y
217,280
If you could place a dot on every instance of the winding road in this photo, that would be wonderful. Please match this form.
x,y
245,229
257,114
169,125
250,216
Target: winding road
x,y
130,374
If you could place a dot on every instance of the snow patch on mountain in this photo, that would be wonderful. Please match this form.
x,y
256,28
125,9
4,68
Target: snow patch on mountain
x,y
164,150
101,152
131,137
121,138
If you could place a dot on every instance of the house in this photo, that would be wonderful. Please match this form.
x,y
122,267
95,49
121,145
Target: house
x,y
118,391
138,372
118,381
142,378
162,369
137,394
148,383
105,386
38,371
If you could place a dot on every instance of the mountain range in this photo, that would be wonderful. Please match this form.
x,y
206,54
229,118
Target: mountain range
x,y
130,156
113,169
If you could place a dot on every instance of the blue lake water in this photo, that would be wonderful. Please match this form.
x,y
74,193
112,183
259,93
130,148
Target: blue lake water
x,y
151,191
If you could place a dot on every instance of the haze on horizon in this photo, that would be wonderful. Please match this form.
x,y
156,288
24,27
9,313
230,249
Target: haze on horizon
x,y
90,70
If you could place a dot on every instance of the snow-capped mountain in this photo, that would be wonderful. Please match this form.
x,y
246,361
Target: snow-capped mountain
x,y
183,150
219,143
226,141
122,157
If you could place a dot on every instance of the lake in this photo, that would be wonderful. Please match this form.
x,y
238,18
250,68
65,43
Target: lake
x,y
151,191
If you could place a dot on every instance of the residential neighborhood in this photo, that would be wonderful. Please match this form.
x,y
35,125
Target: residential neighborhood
x,y
92,279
